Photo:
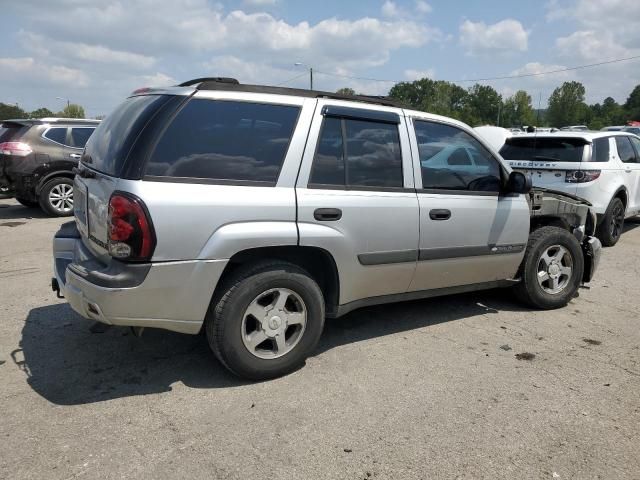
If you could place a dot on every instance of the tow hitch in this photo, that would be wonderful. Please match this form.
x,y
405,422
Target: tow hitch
x,y
55,286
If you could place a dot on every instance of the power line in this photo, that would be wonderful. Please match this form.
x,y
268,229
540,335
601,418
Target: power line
x,y
503,77
304,74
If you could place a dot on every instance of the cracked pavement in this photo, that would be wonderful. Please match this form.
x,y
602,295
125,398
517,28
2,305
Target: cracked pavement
x,y
467,386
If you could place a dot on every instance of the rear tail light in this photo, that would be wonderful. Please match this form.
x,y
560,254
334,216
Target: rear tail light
x,y
18,149
131,235
581,176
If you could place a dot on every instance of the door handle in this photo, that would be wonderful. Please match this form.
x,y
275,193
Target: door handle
x,y
628,171
440,214
75,155
327,214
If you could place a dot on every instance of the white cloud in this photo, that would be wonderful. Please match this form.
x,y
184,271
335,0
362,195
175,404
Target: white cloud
x,y
419,74
84,52
390,9
587,45
502,37
422,7
27,71
260,3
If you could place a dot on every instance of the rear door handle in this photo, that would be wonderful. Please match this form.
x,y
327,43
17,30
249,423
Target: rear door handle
x,y
440,214
628,171
327,214
75,155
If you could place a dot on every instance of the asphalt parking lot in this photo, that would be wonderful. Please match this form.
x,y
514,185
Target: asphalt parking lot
x,y
469,386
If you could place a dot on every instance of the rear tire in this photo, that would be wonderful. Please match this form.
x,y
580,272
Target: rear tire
x,y
552,269
56,197
27,203
610,228
253,335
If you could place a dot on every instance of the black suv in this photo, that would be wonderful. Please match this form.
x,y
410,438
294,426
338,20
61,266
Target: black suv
x,y
37,158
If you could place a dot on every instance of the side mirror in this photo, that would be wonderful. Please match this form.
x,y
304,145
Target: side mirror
x,y
519,182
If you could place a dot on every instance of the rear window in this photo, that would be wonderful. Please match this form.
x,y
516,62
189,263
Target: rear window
x,y
108,147
225,140
11,131
600,150
543,149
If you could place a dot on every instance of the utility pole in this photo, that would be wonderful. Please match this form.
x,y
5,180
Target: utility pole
x,y
300,64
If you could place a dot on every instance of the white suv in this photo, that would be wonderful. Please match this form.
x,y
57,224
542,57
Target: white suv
x,y
601,167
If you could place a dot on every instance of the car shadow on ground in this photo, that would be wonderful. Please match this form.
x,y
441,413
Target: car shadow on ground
x,y
69,362
11,211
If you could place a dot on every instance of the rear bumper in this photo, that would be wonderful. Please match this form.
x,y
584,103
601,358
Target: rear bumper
x,y
592,250
169,295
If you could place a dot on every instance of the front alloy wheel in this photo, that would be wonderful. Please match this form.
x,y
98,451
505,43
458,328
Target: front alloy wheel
x,y
555,269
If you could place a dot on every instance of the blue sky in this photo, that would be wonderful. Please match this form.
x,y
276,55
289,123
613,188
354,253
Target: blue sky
x,y
96,52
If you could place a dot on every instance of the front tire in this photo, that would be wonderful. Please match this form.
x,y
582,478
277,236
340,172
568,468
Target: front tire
x,y
265,320
610,228
56,197
552,269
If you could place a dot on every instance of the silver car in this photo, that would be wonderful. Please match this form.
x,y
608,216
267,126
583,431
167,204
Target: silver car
x,y
255,212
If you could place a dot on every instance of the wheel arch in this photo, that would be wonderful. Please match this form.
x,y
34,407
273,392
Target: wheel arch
x,y
318,262
58,173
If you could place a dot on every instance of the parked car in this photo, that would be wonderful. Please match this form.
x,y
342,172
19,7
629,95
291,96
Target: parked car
x,y
37,158
634,130
253,212
612,128
601,167
575,128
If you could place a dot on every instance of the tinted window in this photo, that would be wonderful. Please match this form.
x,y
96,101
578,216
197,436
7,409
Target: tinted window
x,y
225,140
328,164
373,155
625,150
11,131
451,159
108,147
636,143
543,149
58,135
600,150
79,136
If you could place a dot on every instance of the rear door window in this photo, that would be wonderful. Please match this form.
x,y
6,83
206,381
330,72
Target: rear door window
x,y
57,134
225,140
625,150
80,135
636,144
544,149
357,153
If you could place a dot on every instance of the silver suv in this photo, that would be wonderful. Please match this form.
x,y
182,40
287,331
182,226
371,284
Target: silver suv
x,y
255,212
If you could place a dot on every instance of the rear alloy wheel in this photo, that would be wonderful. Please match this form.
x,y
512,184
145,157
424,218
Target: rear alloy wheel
x,y
56,197
265,320
552,269
610,228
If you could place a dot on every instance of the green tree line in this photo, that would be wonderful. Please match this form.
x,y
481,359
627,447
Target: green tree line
x,y
482,105
8,111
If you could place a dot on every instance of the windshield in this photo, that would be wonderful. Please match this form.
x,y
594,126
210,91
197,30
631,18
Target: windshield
x,y
109,146
544,149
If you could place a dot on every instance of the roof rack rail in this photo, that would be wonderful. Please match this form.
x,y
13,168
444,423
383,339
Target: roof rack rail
x,y
195,81
234,85
67,120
